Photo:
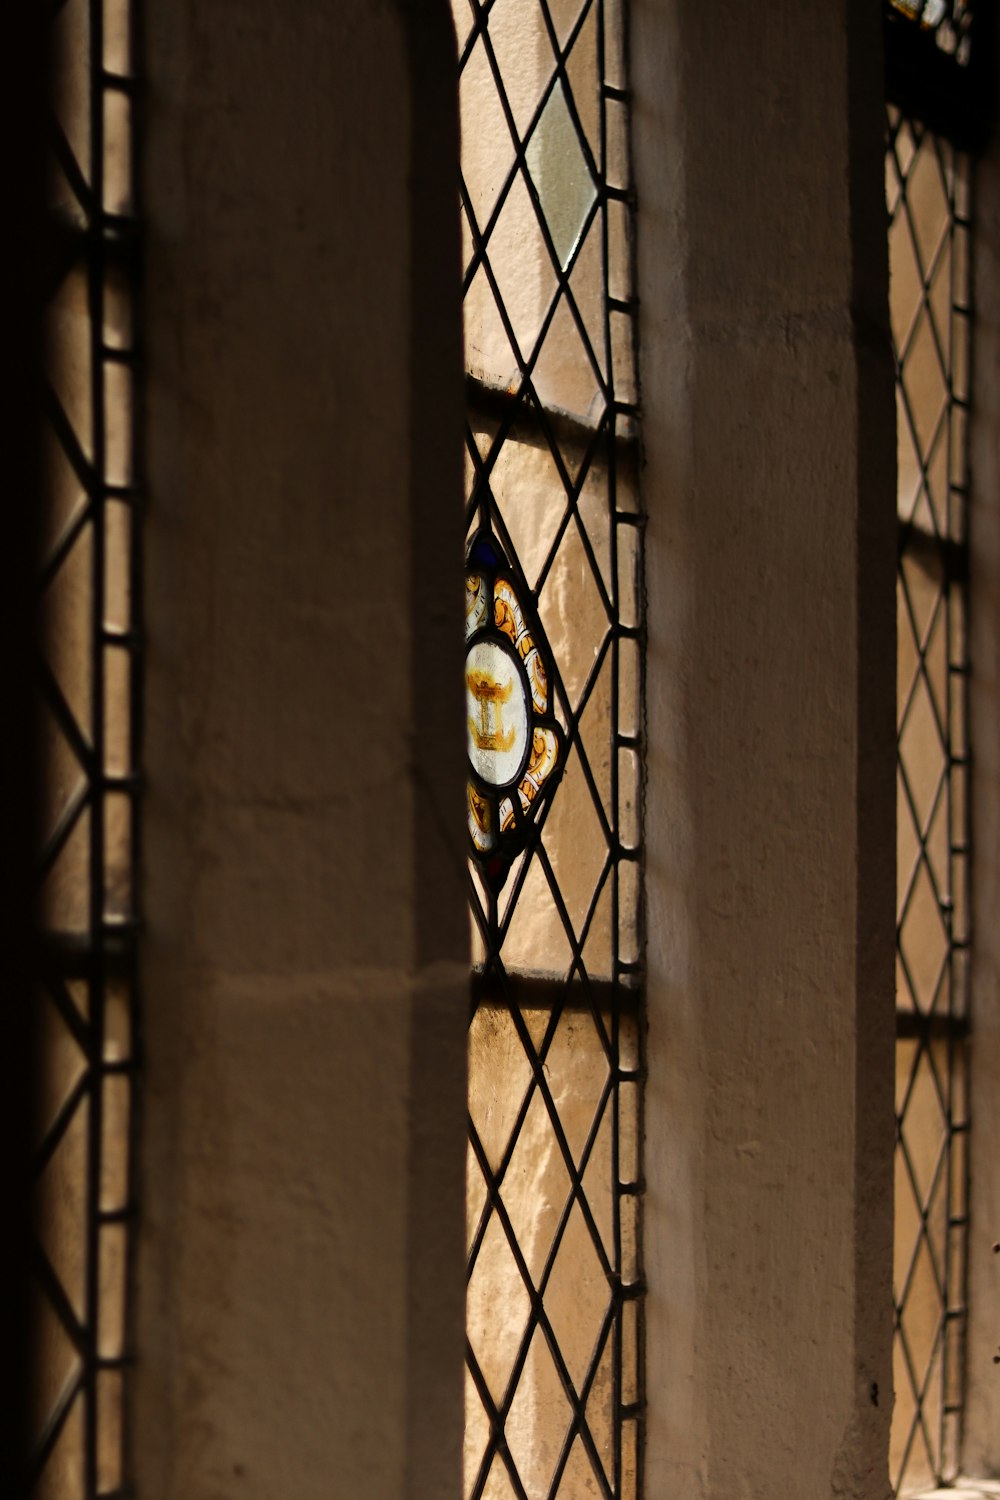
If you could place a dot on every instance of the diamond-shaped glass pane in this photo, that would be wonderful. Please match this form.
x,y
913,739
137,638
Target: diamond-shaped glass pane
x,y
538,1419
560,173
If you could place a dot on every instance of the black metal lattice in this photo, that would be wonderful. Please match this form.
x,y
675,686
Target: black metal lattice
x,y
88,717
928,188
554,1398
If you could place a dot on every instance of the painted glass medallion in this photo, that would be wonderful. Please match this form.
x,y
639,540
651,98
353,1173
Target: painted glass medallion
x,y
515,744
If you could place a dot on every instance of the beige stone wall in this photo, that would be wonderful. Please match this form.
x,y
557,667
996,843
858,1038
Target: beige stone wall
x,y
981,1454
769,480
301,1265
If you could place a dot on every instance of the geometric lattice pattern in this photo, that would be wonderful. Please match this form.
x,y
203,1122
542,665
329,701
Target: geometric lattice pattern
x,y
929,207
87,707
553,1391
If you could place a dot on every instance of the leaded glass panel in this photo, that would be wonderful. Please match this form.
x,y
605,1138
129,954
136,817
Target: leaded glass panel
x,y
88,692
928,193
553,581
947,22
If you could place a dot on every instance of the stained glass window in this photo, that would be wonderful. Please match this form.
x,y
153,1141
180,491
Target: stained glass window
x,y
88,686
940,58
553,680
947,22
928,190
516,745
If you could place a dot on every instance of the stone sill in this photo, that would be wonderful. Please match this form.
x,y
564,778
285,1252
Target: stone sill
x,y
962,1489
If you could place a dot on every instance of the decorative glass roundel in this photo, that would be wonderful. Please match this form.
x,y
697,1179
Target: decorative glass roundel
x,y
516,747
497,700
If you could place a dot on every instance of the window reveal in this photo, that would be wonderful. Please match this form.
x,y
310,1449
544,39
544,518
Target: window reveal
x,y
553,682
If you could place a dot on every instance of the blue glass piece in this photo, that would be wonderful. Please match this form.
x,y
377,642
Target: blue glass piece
x,y
483,551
